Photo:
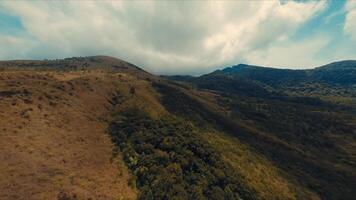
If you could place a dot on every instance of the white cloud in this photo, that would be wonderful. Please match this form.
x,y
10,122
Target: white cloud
x,y
14,47
292,54
163,37
350,20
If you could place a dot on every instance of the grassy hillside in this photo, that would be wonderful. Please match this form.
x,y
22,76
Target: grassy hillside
x,y
100,128
310,139
267,181
53,140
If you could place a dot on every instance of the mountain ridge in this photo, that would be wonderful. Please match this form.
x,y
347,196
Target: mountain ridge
x,y
341,63
99,62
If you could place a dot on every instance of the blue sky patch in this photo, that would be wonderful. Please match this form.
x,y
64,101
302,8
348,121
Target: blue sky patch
x,y
10,25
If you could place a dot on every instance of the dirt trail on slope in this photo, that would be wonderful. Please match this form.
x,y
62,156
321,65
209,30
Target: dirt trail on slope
x,y
53,140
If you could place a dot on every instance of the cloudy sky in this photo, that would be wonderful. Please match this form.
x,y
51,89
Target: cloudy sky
x,y
182,37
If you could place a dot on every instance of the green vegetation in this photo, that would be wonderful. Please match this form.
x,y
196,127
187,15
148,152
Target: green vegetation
x,y
307,138
169,160
267,181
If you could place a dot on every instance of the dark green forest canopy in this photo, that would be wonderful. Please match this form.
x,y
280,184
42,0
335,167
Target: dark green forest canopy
x,y
170,161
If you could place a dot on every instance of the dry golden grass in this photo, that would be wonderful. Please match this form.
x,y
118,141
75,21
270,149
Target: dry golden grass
x,y
144,98
258,173
53,136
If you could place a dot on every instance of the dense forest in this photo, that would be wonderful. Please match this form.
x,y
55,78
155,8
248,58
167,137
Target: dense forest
x,y
169,160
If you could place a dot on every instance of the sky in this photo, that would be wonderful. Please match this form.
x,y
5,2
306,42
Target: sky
x,y
182,37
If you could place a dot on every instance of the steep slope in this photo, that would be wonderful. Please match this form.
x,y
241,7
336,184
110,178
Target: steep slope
x,y
311,140
313,144
158,150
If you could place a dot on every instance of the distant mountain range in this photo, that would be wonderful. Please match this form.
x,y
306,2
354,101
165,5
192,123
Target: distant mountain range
x,y
342,73
334,79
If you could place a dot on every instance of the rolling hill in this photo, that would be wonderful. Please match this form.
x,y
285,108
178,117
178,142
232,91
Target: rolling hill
x,y
101,128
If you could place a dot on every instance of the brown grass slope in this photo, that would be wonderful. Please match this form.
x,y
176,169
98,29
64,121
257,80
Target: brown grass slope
x,y
53,141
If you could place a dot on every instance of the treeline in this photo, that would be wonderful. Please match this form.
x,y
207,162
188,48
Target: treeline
x,y
169,160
